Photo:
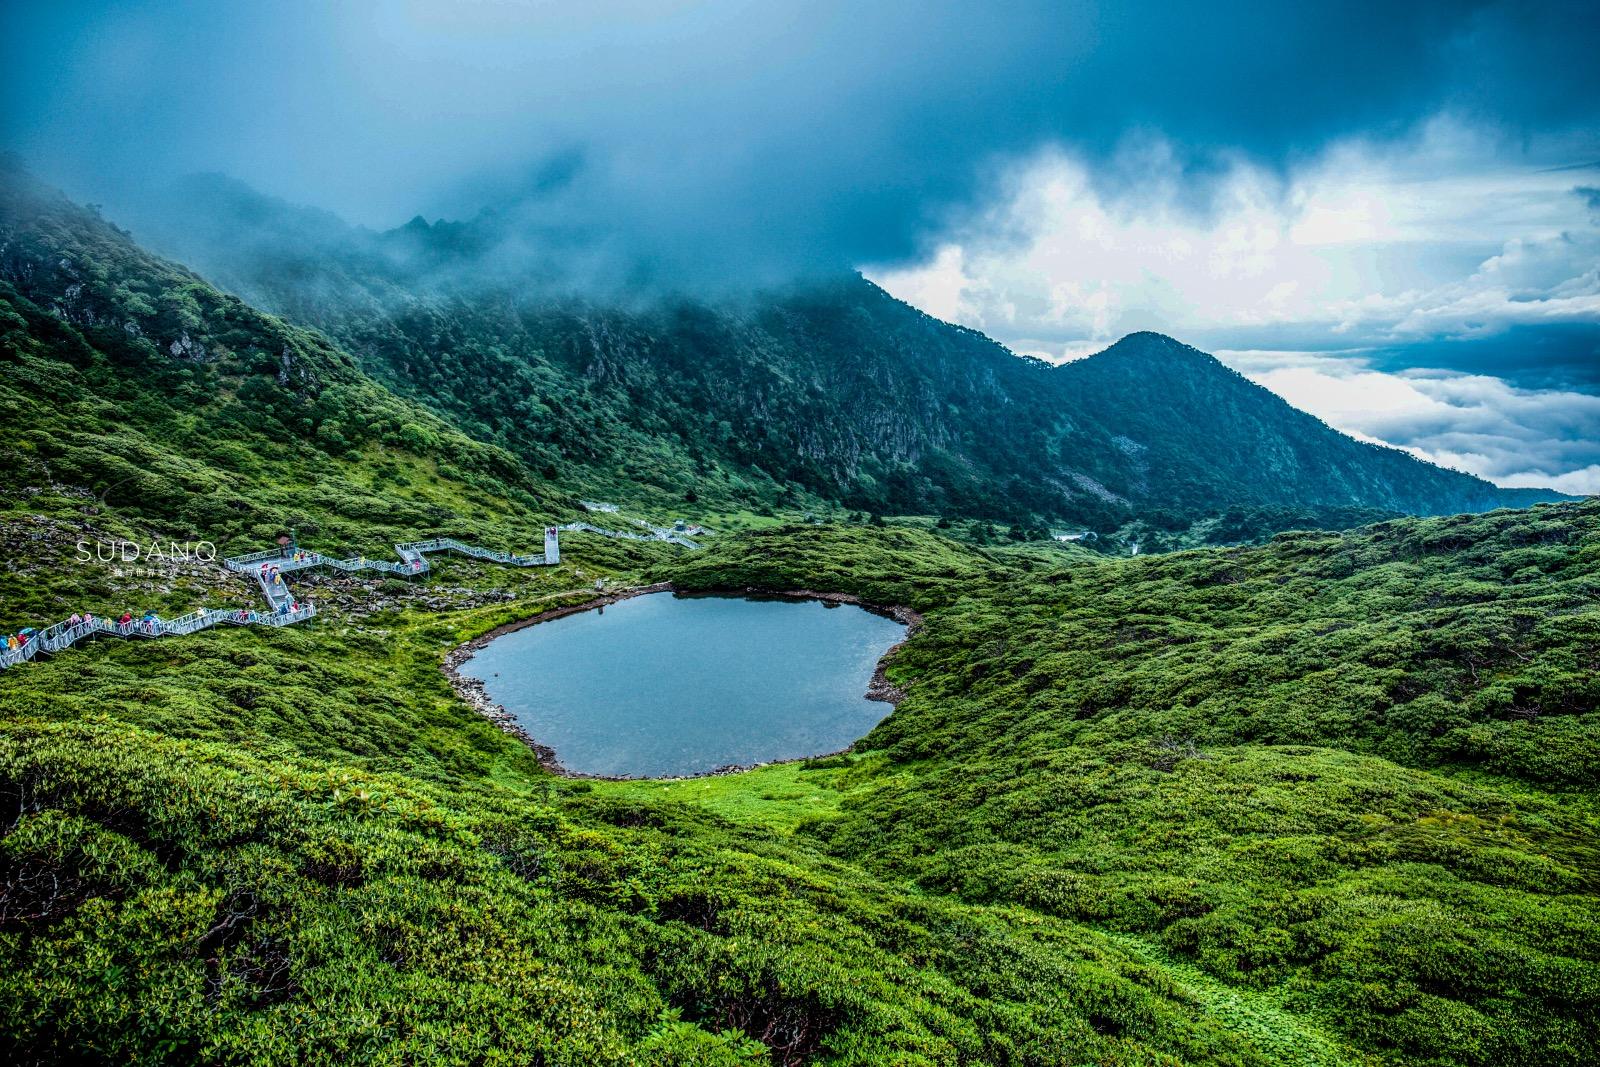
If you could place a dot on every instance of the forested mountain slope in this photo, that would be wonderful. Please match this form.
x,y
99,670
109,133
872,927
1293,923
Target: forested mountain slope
x,y
1179,417
836,388
137,383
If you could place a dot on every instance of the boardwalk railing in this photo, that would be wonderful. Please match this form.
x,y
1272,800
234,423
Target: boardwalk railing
x,y
66,634
268,569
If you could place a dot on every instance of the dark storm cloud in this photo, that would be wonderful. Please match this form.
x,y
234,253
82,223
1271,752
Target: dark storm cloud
x,y
1546,357
746,138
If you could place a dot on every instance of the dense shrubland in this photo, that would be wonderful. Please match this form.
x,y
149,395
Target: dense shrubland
x,y
189,901
1354,769
1070,843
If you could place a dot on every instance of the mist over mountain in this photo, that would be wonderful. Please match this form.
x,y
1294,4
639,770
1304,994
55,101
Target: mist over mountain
x,y
240,237
721,141
830,387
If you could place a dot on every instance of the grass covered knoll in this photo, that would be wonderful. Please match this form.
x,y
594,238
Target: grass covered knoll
x,y
175,901
884,565
1353,771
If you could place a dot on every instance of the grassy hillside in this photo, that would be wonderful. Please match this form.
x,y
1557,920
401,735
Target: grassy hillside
x,y
1119,819
134,384
1356,770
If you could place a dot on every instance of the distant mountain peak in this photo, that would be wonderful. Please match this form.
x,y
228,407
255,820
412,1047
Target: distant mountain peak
x,y
1151,346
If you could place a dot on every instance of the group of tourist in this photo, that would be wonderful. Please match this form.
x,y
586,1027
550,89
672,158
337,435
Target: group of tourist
x,y
274,580
149,622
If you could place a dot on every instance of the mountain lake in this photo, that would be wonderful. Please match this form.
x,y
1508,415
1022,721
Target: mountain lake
x,y
664,685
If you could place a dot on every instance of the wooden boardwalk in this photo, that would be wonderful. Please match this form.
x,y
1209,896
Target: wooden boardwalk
x,y
269,569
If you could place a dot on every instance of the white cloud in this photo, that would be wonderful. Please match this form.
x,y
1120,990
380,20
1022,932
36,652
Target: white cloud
x,y
1473,422
1432,237
1579,482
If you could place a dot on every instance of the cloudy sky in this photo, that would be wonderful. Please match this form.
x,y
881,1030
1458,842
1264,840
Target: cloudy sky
x,y
1438,290
1388,213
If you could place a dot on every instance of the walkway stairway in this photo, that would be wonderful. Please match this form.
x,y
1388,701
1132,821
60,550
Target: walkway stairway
x,y
269,568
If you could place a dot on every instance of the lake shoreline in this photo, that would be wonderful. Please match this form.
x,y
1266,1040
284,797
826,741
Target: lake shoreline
x,y
475,694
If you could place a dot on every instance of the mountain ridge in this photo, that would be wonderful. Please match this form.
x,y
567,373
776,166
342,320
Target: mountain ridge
x,y
1262,428
830,390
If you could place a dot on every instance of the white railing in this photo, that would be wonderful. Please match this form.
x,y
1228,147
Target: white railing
x,y
268,567
64,635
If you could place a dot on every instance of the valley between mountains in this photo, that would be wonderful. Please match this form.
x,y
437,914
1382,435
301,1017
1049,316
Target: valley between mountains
x,y
1310,779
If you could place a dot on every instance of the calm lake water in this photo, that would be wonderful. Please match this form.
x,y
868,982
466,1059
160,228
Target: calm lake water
x,y
662,685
